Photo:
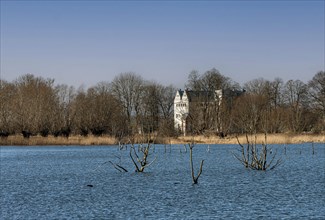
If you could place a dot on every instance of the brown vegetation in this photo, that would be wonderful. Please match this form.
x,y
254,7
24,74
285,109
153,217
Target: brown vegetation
x,y
35,111
51,140
272,139
108,140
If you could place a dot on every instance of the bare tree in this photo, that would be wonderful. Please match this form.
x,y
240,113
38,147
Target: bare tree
x,y
118,166
149,115
211,80
33,103
317,90
207,110
317,93
272,93
193,81
83,112
248,113
7,118
195,179
166,95
128,88
296,98
258,86
140,154
141,161
255,156
99,112
252,115
64,119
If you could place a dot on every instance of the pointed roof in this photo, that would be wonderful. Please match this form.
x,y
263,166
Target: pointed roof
x,y
200,96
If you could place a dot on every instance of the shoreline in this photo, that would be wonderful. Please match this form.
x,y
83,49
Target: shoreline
x,y
260,138
18,140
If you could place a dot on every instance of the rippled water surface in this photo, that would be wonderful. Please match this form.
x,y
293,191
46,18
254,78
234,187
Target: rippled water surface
x,y
51,183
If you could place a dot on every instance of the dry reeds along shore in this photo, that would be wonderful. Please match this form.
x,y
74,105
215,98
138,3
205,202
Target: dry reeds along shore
x,y
107,140
51,140
271,139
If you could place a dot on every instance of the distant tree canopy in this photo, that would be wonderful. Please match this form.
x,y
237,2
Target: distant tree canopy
x,y
211,80
33,105
129,105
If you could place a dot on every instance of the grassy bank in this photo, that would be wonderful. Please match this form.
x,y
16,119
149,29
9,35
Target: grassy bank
x,y
106,140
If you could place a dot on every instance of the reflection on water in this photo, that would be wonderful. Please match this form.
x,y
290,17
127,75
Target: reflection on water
x,y
51,183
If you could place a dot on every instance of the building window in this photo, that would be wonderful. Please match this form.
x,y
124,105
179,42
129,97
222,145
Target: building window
x,y
181,105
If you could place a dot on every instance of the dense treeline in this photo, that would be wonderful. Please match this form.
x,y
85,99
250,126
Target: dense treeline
x,y
33,105
129,105
264,106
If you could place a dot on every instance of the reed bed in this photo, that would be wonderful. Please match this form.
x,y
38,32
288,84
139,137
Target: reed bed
x,y
51,140
107,140
260,138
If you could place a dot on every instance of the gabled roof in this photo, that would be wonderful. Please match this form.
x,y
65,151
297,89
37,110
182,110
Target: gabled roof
x,y
232,93
208,96
200,96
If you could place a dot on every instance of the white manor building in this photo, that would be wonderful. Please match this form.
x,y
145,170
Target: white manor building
x,y
184,100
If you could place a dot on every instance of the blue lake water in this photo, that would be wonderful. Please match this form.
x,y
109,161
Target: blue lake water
x,y
51,183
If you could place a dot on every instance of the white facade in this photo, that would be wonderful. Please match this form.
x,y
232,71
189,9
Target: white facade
x,y
184,101
218,95
181,110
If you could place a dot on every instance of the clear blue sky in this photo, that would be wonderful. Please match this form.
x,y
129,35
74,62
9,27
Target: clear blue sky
x,y
85,42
